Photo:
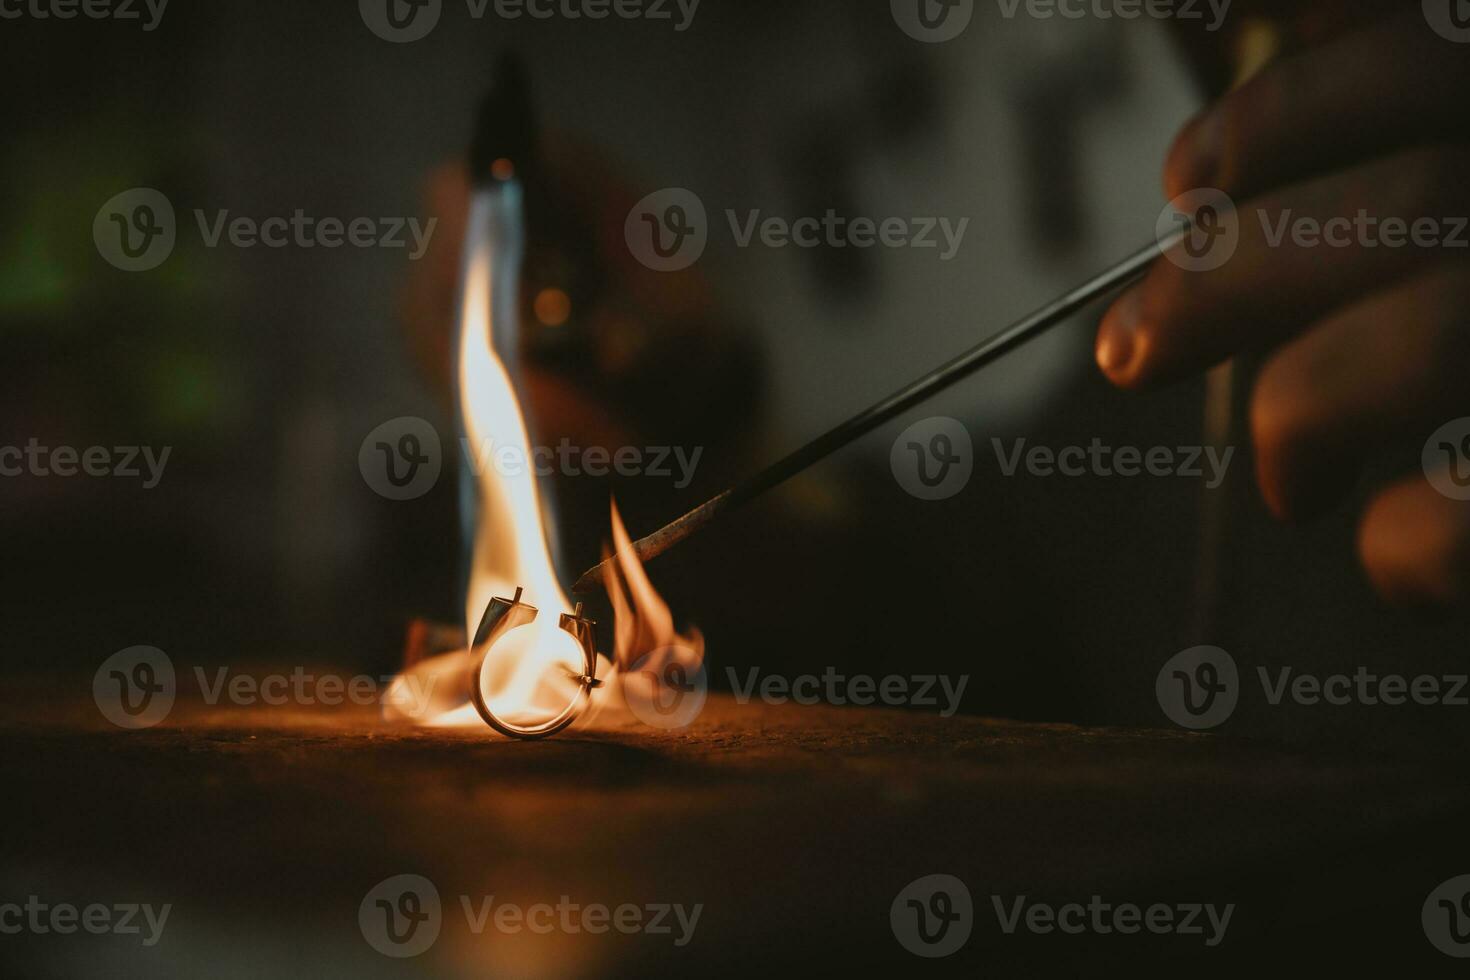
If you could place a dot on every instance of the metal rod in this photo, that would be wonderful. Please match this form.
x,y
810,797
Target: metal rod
x,y
907,397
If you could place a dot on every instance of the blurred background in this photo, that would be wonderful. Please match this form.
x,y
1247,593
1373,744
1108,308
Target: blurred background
x,y
265,368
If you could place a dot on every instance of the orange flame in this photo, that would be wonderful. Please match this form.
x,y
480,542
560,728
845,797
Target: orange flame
x,y
642,621
529,676
529,679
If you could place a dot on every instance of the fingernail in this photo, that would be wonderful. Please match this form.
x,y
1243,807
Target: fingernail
x,y
1197,161
1115,346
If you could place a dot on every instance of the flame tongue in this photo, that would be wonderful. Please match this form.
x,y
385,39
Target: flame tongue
x,y
642,621
655,662
528,677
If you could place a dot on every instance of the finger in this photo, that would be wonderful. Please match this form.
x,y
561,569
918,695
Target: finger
x,y
1360,96
1281,275
1388,368
1415,545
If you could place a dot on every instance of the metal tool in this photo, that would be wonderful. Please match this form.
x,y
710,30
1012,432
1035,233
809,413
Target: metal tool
x,y
1053,313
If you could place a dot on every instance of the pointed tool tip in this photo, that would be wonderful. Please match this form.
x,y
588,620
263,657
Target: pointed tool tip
x,y
591,580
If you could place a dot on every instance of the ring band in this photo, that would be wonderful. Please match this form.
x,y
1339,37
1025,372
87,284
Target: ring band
x,y
504,615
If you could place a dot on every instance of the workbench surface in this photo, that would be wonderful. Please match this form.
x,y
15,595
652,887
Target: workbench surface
x,y
794,827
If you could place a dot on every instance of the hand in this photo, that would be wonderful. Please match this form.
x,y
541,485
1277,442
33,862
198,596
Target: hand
x,y
1368,343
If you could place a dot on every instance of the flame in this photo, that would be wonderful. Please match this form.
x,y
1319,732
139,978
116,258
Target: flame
x,y
530,674
642,621
650,656
529,678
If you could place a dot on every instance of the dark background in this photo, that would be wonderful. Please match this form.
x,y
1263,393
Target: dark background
x,y
264,369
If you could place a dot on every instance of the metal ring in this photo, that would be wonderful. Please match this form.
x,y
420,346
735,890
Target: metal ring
x,y
504,615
